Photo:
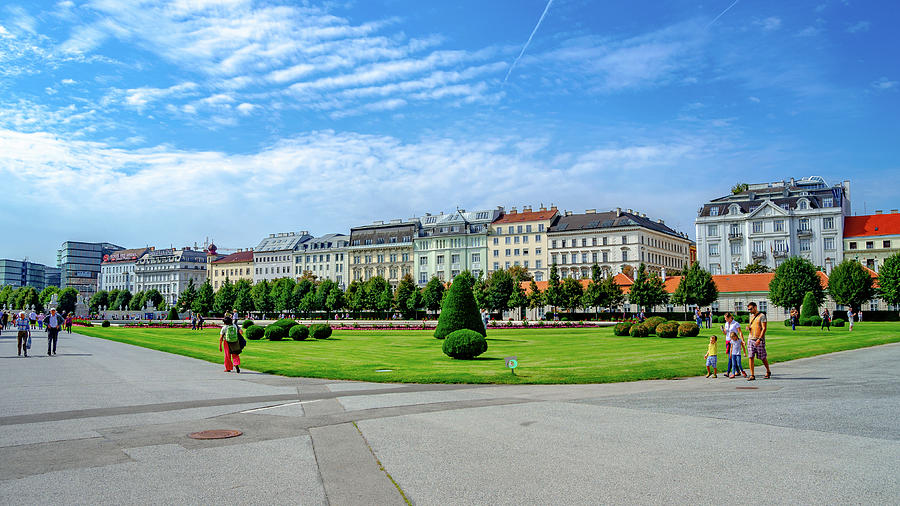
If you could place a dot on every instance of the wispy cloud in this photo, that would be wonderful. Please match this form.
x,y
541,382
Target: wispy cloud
x,y
859,26
884,83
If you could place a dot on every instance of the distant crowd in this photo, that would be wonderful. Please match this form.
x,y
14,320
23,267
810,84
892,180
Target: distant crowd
x,y
24,324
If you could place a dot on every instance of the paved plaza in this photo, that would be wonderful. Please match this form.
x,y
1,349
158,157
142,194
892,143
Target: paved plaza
x,y
107,423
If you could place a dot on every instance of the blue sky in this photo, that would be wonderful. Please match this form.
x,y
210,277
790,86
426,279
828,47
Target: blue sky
x,y
164,123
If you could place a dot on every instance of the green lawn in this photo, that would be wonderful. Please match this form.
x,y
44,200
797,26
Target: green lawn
x,y
545,356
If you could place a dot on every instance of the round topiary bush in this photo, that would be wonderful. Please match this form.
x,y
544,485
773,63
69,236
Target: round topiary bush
x,y
621,329
688,329
464,344
105,323
298,332
458,309
320,331
254,332
638,330
285,323
667,330
653,322
838,322
247,324
275,332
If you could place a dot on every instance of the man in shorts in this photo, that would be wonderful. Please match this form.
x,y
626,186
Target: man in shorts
x,y
756,345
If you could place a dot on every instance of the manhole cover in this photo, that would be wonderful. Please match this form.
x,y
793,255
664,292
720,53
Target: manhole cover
x,y
747,388
215,434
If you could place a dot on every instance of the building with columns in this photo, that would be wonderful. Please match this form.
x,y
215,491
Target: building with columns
x,y
448,244
520,238
382,249
324,257
117,269
871,239
769,222
169,271
273,257
612,240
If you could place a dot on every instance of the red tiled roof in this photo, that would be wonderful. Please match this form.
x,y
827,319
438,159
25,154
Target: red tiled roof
x,y
872,225
527,216
240,256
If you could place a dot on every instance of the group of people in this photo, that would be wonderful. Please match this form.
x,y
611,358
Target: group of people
x,y
794,317
703,317
25,324
736,347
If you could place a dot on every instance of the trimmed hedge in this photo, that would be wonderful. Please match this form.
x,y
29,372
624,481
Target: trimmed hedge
x,y
816,321
173,314
805,322
320,331
464,344
688,329
285,323
105,323
787,323
275,332
459,310
247,324
621,329
254,332
838,322
638,330
298,332
667,330
653,322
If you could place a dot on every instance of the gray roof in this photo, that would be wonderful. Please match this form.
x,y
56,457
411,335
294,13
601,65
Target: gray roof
x,y
780,196
591,221
281,242
326,241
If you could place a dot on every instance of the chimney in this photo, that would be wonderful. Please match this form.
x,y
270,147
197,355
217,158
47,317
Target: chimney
x,y
590,211
660,221
568,213
552,207
629,211
893,211
304,232
618,212
397,220
526,209
542,207
513,210
878,211
643,215
500,208
792,181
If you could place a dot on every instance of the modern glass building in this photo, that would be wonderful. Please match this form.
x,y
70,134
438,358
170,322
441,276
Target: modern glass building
x,y
79,264
24,273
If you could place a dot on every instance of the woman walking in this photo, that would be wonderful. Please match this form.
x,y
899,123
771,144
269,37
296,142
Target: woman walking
x,y
229,340
69,323
826,320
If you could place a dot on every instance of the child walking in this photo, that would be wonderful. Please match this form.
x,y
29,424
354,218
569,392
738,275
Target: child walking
x,y
711,358
734,357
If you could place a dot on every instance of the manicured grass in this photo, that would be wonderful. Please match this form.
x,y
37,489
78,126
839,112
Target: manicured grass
x,y
545,356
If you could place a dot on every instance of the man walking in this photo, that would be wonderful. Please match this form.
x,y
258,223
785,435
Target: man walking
x,y
23,325
756,347
54,324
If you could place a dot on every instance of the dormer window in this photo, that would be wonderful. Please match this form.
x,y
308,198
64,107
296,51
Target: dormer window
x,y
734,209
714,211
803,204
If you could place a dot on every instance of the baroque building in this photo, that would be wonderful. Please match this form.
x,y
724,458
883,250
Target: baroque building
x,y
382,249
448,244
169,271
117,269
324,257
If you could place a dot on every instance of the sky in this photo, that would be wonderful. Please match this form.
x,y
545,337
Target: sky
x,y
166,123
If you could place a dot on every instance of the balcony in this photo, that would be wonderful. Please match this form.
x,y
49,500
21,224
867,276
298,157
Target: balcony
x,y
804,233
758,255
781,253
736,236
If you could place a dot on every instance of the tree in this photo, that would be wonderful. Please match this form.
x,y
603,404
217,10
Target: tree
x,y
851,285
499,289
335,300
28,297
137,302
68,297
111,297
520,273
354,298
243,302
308,303
407,296
205,300
594,296
793,278
379,296
122,300
46,294
739,187
613,295
323,289
479,291
535,296
648,289
187,297
281,293
100,298
889,280
755,268
223,303
553,293
696,288
5,292
155,297
572,292
301,288
433,294
459,310
262,301
518,299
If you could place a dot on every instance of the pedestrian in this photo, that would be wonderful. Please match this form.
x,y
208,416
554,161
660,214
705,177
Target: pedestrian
x,y
734,356
69,319
757,347
859,315
850,319
23,338
709,318
193,322
484,318
199,322
54,324
229,342
32,318
711,358
697,317
40,320
826,320
794,314
3,318
731,326
641,316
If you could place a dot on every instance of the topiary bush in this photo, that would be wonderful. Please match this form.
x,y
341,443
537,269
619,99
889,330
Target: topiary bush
x,y
838,322
254,332
458,309
105,323
667,330
720,319
638,330
688,329
464,344
173,314
621,329
320,331
652,322
275,332
805,321
810,307
247,324
298,332
787,323
285,323
816,321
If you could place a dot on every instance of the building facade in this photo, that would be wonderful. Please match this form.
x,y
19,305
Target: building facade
x,y
382,249
238,265
169,271
273,257
613,240
770,222
79,264
520,238
18,273
117,269
447,244
324,257
872,238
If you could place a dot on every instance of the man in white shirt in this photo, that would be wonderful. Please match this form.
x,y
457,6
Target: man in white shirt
x,y
54,324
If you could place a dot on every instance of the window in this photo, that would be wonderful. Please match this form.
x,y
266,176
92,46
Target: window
x,y
454,259
423,260
537,264
735,248
508,240
507,265
508,252
496,266
584,258
537,251
711,230
886,244
509,229
870,244
735,229
525,239
763,306
565,258
583,242
713,211
828,223
440,259
553,243
624,255
738,306
778,225
804,245
527,229
525,251
802,205
827,202
829,243
540,228
496,252
423,278
853,245
476,258
539,275
715,269
516,252
873,305
519,229
757,227
779,245
537,238
525,264
624,239
516,240
804,224
594,257
496,241
713,250
606,256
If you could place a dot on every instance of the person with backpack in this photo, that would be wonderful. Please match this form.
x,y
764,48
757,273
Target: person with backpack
x,y
230,339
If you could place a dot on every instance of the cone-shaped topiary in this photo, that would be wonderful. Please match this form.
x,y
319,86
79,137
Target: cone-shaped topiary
x,y
299,332
809,308
458,310
464,344
173,314
254,332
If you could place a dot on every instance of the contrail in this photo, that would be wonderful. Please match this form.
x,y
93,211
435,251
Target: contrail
x,y
723,13
538,25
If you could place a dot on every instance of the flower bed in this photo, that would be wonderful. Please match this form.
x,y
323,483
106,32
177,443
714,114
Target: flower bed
x,y
185,325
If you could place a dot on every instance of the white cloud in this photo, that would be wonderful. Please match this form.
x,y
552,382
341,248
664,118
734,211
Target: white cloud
x,y
68,81
245,108
140,98
859,26
885,84
770,24
755,100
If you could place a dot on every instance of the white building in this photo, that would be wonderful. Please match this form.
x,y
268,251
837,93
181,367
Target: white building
x,y
273,258
448,244
613,240
324,257
117,269
170,271
770,222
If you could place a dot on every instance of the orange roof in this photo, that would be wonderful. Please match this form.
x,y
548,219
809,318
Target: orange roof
x,y
527,216
240,256
872,225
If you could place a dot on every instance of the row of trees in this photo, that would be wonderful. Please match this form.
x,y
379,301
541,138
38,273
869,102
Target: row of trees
x,y
26,297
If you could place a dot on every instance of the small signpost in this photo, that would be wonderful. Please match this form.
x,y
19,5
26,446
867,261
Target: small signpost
x,y
512,363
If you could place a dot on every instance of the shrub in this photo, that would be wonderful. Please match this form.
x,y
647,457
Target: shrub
x,y
298,332
652,322
254,332
286,324
838,322
805,321
816,321
667,330
810,307
458,309
464,344
275,332
247,324
105,323
688,329
621,329
638,330
173,314
720,319
320,331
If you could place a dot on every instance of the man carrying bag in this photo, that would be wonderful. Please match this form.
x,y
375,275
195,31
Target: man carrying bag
x,y
54,325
